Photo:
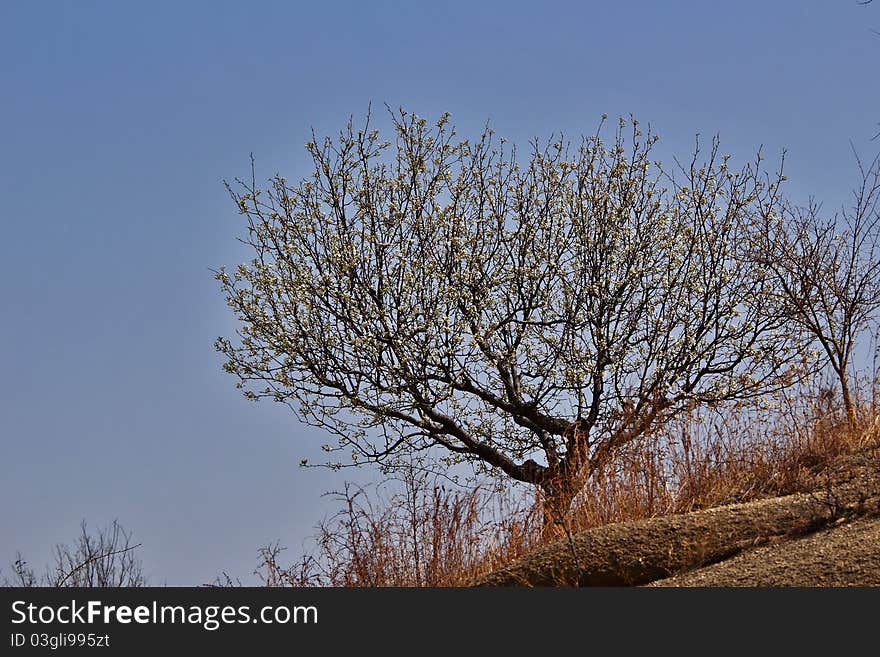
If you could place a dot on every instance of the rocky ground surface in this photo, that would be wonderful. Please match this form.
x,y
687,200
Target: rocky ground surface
x,y
828,535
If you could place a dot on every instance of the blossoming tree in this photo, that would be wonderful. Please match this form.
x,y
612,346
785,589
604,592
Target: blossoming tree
x,y
527,314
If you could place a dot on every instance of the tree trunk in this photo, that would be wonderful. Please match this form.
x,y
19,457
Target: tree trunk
x,y
847,397
558,493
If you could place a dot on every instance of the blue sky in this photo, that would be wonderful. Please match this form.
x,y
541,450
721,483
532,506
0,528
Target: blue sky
x,y
119,121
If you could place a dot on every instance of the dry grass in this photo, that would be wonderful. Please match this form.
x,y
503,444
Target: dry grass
x,y
416,531
736,455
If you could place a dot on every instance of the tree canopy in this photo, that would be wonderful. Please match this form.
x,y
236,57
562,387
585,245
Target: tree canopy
x,y
526,313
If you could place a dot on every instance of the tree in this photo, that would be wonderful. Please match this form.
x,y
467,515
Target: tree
x,y
529,318
828,271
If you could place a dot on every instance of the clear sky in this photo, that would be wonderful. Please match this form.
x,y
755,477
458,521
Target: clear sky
x,y
119,121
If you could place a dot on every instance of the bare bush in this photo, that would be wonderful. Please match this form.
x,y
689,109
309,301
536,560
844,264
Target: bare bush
x,y
411,532
104,559
828,270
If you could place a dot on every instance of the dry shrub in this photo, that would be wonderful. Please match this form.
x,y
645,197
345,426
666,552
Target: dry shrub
x,y
711,458
103,558
412,532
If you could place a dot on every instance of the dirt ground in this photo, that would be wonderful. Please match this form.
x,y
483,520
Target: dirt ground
x,y
845,555
828,536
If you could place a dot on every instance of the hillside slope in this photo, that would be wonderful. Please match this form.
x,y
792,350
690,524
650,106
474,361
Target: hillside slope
x,y
847,554
826,536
